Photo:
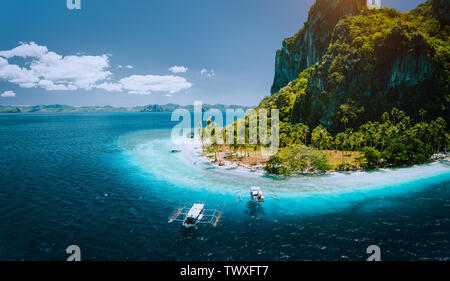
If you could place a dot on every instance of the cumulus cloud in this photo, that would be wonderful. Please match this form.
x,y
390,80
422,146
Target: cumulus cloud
x,y
25,50
178,69
110,87
207,73
8,94
54,72
146,84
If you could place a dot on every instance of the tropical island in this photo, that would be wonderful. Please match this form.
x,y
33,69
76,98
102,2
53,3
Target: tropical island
x,y
356,88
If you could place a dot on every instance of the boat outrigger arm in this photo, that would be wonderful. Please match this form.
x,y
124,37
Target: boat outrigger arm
x,y
195,215
255,195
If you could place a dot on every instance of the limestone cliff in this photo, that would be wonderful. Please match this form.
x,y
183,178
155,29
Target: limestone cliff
x,y
307,46
371,61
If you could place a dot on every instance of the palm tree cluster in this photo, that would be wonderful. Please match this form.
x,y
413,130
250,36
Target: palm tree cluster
x,y
391,141
214,140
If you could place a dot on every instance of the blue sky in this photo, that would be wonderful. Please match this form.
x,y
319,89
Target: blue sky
x,y
120,52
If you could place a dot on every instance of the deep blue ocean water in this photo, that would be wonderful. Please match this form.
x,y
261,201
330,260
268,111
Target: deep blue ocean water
x,y
106,183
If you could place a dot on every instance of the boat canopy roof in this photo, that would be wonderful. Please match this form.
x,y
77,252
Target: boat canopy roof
x,y
255,189
194,212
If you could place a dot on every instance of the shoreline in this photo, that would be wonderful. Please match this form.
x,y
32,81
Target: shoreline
x,y
189,169
230,165
196,150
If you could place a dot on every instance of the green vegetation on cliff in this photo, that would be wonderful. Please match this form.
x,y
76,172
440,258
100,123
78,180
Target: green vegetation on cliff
x,y
309,44
377,96
377,63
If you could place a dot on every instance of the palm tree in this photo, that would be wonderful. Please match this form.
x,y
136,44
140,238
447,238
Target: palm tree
x,y
320,138
300,134
383,136
216,150
255,149
349,111
339,141
347,144
201,133
422,113
344,120
234,146
357,140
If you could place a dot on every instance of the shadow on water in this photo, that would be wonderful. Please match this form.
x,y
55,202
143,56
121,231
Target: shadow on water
x,y
189,233
255,209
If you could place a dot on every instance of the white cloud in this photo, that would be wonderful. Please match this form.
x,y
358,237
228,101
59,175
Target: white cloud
x,y
16,74
8,94
125,66
145,84
208,73
52,71
178,69
25,50
110,87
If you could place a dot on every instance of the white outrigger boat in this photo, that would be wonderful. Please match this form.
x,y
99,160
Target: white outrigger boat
x,y
196,215
255,195
176,149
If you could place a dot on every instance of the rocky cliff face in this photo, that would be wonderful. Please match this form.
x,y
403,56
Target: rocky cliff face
x,y
307,47
377,61
441,10
374,60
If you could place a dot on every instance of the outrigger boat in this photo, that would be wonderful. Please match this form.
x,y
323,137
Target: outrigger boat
x,y
196,215
256,195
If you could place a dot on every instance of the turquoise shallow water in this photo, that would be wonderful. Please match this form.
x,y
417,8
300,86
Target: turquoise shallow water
x,y
107,183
